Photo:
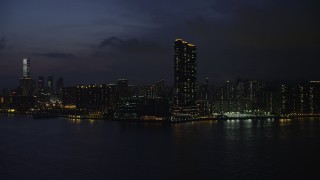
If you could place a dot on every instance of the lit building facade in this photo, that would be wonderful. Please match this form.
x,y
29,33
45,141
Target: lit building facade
x,y
314,98
92,97
185,74
26,84
26,68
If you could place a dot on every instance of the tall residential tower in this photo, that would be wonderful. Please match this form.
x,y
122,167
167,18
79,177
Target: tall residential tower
x,y
185,74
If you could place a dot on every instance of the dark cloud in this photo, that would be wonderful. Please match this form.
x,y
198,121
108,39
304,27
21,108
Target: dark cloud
x,y
55,55
3,43
130,46
110,42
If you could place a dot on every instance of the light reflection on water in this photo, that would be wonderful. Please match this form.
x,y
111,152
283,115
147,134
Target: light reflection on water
x,y
285,122
74,121
218,149
84,121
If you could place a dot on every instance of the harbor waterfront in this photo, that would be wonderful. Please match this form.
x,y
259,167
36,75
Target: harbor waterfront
x,y
178,118
62,148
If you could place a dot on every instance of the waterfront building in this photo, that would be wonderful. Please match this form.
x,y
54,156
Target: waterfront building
x,y
271,97
185,75
242,96
204,103
286,99
92,97
314,98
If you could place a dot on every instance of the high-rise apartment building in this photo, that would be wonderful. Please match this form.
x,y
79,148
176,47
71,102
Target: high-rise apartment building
x,y
185,74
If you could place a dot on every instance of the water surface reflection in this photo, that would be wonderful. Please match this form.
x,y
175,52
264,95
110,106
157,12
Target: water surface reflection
x,y
95,149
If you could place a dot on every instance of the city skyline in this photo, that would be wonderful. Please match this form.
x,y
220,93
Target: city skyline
x,y
187,99
123,89
101,41
179,56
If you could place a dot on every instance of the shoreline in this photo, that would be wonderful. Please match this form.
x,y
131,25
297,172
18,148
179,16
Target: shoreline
x,y
165,120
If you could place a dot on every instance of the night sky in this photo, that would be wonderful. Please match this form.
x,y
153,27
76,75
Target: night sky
x,y
99,41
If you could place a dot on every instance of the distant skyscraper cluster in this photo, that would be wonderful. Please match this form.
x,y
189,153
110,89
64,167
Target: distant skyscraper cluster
x,y
250,96
31,93
241,96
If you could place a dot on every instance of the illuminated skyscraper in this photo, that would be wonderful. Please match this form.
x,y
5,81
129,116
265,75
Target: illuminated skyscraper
x,y
26,81
26,68
185,74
